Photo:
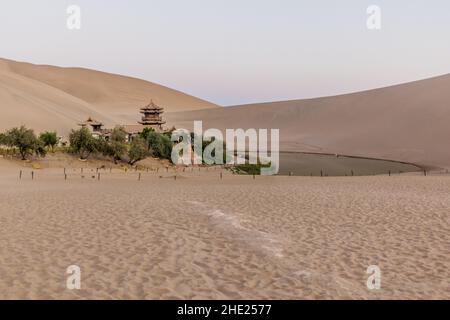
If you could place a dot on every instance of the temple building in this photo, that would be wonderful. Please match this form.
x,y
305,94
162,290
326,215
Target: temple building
x,y
94,126
151,118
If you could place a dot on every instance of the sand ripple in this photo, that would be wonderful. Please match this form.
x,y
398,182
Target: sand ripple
x,y
199,237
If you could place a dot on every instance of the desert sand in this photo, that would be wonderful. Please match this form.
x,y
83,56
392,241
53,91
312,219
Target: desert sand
x,y
200,237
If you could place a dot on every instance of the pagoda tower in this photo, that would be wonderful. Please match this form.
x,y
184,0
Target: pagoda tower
x,y
152,116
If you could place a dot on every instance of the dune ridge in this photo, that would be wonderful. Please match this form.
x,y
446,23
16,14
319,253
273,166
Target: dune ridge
x,y
48,97
407,122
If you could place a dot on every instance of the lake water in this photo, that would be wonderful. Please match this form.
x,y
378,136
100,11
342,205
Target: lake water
x,y
311,164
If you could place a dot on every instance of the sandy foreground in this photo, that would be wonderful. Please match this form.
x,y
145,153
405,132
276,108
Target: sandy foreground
x,y
200,237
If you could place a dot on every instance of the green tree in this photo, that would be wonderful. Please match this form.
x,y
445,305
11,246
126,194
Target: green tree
x,y
49,139
159,145
24,140
138,150
166,146
116,146
40,149
83,143
3,139
146,132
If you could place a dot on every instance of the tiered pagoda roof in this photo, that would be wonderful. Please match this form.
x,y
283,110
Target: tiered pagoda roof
x,y
91,122
152,108
152,115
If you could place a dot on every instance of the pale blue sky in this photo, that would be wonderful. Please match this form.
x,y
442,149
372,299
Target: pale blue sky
x,y
237,51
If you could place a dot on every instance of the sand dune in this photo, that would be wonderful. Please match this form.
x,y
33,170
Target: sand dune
x,y
407,122
37,105
47,97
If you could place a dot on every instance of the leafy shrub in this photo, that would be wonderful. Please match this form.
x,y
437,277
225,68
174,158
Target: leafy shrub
x,y
49,140
83,143
138,150
158,145
116,146
250,169
24,140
